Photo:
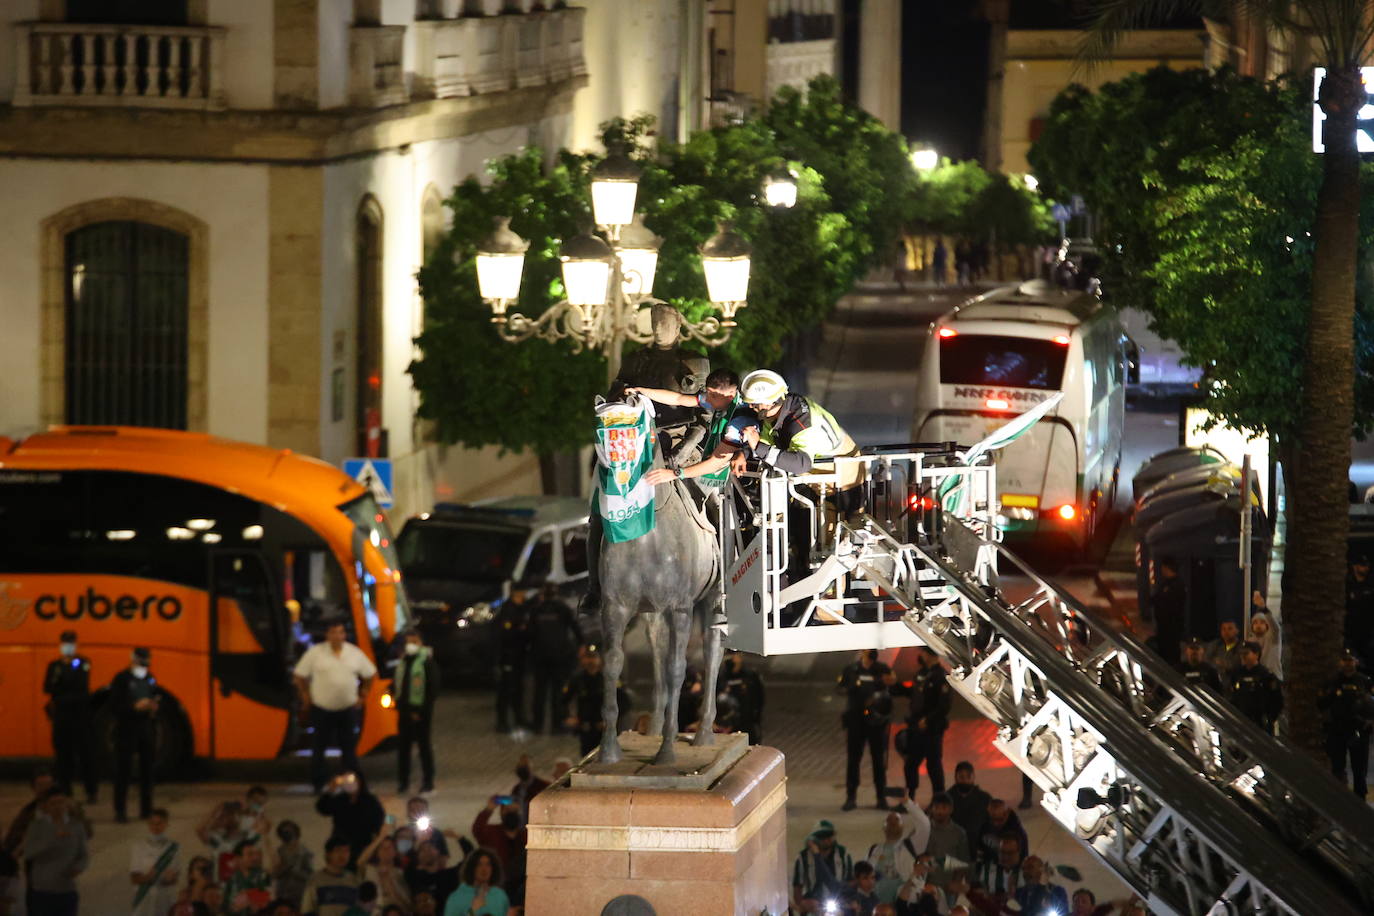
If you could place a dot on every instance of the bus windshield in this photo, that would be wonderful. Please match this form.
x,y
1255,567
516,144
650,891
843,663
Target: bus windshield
x,y
368,518
469,553
1011,362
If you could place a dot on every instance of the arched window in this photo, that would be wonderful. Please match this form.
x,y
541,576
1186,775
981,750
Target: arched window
x,y
127,295
371,438
431,222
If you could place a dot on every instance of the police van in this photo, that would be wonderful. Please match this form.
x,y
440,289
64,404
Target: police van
x,y
462,562
1002,353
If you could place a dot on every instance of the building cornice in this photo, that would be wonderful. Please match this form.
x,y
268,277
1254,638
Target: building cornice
x,y
271,137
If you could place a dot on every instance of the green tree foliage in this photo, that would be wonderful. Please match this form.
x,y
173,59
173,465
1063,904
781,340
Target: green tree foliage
x,y
1205,189
964,199
853,175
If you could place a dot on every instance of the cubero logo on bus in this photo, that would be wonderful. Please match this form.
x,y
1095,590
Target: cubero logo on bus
x,y
93,605
112,598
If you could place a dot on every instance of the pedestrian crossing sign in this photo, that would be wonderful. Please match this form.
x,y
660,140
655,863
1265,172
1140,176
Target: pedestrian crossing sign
x,y
375,475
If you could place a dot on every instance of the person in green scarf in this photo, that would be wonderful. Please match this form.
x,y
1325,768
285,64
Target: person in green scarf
x,y
414,690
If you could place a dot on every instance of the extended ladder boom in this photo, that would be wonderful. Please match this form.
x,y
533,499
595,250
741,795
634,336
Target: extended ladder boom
x,y
1186,800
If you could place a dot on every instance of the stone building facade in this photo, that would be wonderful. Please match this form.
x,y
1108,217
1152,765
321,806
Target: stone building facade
x,y
215,209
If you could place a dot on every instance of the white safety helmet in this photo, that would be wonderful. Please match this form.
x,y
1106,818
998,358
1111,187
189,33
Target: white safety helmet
x,y
762,387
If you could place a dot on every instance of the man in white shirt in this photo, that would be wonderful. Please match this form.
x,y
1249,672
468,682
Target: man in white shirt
x,y
333,678
906,833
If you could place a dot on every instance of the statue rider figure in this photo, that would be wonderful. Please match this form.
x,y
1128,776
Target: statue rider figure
x,y
662,364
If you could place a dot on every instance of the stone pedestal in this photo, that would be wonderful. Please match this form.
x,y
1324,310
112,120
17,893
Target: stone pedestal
x,y
708,835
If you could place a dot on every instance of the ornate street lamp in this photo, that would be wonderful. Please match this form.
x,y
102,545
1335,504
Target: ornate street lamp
x,y
608,281
780,188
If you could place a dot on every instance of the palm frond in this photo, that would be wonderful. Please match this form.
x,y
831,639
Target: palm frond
x,y
1109,20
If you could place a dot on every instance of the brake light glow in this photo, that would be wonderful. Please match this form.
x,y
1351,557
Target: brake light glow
x,y
947,333
1061,339
1067,512
997,404
918,503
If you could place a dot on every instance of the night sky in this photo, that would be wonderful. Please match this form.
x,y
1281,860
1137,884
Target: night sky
x,y
944,75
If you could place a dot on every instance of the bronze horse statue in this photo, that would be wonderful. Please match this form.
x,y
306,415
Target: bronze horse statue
x,y
672,574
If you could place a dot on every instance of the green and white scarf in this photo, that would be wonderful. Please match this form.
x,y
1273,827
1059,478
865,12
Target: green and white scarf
x,y
625,452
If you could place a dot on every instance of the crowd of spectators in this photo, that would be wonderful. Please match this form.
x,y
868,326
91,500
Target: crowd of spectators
x,y
246,863
965,854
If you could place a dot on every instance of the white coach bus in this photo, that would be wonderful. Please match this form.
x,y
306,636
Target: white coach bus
x,y
1002,353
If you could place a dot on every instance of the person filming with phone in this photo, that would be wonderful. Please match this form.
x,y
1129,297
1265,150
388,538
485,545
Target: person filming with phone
x,y
356,812
507,839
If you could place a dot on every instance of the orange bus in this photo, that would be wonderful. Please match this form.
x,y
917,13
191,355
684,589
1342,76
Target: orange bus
x,y
225,559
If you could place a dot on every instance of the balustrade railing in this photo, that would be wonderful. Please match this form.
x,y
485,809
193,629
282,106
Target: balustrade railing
x,y
126,65
478,54
376,74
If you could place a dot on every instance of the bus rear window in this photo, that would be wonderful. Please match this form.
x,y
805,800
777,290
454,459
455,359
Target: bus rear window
x,y
1009,362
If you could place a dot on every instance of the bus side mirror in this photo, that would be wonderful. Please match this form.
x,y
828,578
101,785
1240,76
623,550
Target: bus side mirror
x,y
1132,362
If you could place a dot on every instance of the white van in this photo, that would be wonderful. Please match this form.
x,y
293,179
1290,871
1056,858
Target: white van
x,y
997,356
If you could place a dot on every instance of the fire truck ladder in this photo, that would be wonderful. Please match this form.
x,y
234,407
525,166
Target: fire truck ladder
x,y
1190,803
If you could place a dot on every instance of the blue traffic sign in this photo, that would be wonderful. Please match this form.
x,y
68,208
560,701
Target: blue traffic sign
x,y
375,474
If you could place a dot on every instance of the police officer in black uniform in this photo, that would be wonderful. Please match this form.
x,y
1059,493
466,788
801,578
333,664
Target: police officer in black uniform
x,y
553,640
1348,705
582,700
134,698
1194,667
868,711
926,721
512,633
1169,610
1359,608
68,686
744,689
1255,690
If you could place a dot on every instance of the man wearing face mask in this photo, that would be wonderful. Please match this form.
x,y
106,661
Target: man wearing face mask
x,y
415,688
134,698
528,786
68,684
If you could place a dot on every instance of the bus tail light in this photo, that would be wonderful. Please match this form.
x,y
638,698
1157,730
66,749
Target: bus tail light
x,y
918,503
1068,512
997,404
1061,339
386,701
947,333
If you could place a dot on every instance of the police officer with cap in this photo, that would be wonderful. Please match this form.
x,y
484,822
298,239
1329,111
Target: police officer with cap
x,y
1349,710
1254,689
866,717
134,699
68,686
1194,667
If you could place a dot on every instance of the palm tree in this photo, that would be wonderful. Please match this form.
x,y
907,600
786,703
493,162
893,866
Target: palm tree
x,y
1317,465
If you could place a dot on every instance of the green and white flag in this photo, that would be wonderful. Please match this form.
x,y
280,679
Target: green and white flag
x,y
624,454
952,491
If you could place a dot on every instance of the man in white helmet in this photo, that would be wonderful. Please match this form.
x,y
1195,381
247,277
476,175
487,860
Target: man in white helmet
x,y
795,433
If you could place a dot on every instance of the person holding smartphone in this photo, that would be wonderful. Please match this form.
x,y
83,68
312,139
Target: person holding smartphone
x,y
356,812
506,839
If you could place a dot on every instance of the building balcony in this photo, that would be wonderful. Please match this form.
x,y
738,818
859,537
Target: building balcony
x,y
376,76
59,63
795,63
479,54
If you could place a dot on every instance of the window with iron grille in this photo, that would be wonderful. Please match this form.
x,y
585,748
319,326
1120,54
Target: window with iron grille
x,y
126,325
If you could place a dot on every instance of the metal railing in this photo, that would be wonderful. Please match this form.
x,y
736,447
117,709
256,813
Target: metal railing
x,y
59,63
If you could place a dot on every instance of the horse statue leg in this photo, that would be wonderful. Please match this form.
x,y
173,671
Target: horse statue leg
x,y
656,629
679,621
614,617
712,650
